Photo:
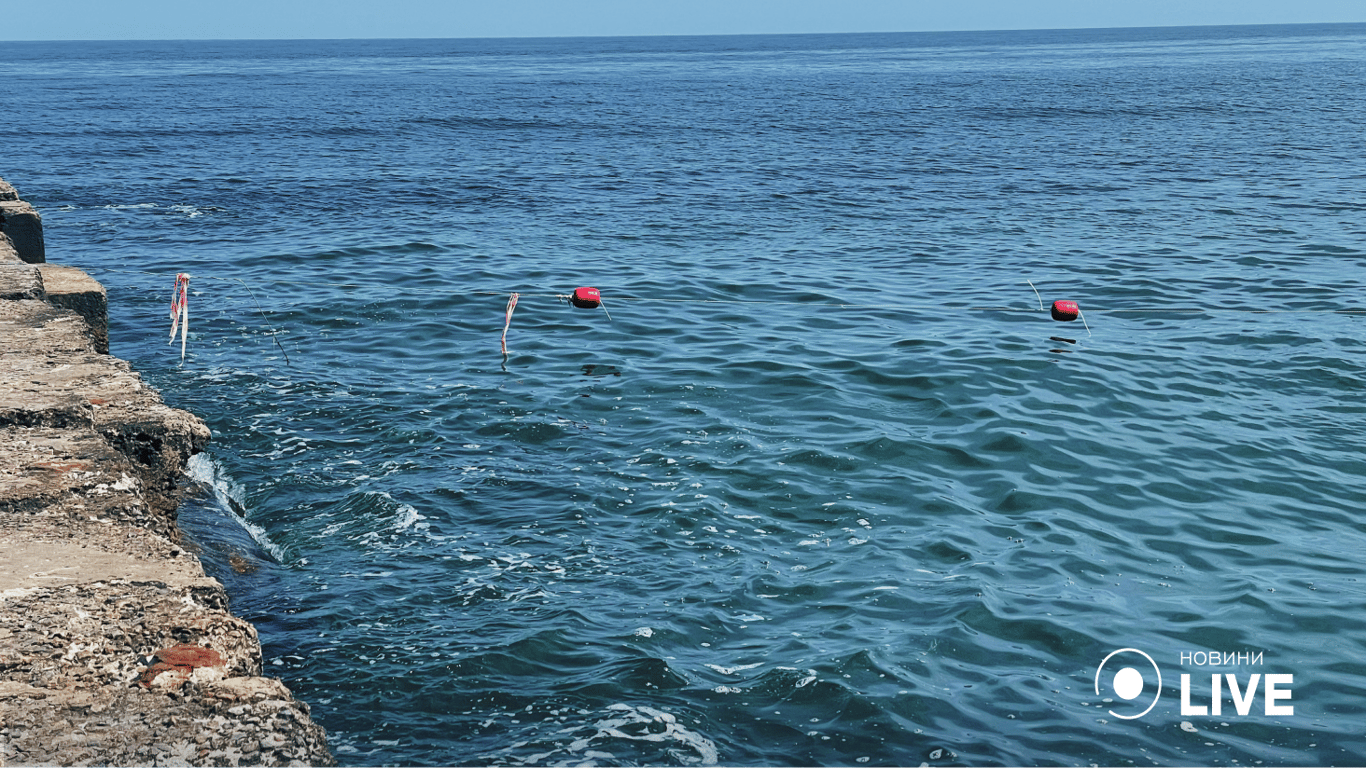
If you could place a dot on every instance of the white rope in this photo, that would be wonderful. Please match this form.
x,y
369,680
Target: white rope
x,y
814,304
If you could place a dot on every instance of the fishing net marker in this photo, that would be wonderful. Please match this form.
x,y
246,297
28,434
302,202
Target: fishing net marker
x,y
1063,310
583,297
180,311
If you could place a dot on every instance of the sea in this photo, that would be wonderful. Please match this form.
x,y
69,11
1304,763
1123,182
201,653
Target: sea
x,y
821,482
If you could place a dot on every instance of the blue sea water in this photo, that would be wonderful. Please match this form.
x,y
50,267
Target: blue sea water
x,y
829,487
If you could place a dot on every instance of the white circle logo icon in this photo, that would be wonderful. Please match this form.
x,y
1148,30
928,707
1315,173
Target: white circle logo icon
x,y
1126,680
1128,683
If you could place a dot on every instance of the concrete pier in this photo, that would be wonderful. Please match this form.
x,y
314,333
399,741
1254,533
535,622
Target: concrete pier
x,y
115,647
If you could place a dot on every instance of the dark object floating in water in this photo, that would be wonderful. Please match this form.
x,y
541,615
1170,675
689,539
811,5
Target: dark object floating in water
x,y
586,298
1065,311
1059,338
593,369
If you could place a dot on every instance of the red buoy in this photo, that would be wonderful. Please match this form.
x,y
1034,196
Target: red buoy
x,y
1064,311
586,298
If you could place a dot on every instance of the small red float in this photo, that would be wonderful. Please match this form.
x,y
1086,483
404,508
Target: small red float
x,y
1065,311
586,298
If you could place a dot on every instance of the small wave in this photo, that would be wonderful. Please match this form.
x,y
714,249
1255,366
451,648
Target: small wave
x,y
371,518
470,122
183,209
230,496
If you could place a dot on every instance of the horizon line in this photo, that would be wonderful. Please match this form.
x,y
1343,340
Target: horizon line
x,y
669,35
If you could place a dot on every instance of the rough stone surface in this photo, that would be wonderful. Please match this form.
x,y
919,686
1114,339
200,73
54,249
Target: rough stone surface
x,y
55,378
73,289
20,281
7,252
24,227
115,647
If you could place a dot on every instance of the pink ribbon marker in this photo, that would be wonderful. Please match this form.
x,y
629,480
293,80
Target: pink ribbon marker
x,y
512,304
180,310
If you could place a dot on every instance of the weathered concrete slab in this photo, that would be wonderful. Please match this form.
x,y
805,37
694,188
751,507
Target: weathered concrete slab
x,y
29,327
54,378
42,468
37,340
24,228
20,281
154,674
73,289
109,620
7,251
60,485
44,560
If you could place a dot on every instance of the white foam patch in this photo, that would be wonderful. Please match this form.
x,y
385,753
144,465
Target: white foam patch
x,y
519,576
732,671
808,676
593,741
625,724
408,517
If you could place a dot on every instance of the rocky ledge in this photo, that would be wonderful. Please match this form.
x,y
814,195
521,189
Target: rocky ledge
x,y
115,647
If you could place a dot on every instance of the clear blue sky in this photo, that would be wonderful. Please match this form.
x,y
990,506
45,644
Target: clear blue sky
x,y
229,19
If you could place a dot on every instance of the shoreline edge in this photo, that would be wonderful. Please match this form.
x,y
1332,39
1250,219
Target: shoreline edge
x,y
115,647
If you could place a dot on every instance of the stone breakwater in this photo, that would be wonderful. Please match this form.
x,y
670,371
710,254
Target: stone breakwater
x,y
115,647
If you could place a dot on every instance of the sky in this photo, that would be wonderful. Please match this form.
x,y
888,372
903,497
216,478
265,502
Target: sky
x,y
298,19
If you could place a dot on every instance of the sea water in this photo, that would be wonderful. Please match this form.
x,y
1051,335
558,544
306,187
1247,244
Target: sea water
x,y
828,486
